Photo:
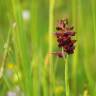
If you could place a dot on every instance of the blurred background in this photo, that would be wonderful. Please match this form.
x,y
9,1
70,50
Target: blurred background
x,y
26,38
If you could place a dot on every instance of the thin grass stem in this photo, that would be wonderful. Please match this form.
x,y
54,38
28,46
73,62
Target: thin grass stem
x,y
67,90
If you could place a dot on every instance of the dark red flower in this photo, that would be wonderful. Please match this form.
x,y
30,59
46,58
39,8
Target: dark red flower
x,y
69,33
60,25
64,38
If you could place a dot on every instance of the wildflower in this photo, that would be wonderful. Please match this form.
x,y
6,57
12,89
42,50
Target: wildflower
x,y
59,89
16,91
26,15
10,70
11,93
64,38
10,65
62,24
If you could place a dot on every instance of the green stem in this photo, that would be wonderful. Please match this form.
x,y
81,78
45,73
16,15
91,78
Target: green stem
x,y
66,79
6,47
51,19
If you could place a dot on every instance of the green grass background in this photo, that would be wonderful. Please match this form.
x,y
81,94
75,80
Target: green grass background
x,y
35,71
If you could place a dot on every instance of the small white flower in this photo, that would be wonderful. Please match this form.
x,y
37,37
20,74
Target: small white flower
x,y
26,15
9,73
11,93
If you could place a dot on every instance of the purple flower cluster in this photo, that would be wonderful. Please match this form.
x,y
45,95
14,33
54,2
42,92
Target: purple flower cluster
x,y
64,36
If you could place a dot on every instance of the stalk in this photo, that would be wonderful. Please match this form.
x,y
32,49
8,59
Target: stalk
x,y
67,90
6,46
51,18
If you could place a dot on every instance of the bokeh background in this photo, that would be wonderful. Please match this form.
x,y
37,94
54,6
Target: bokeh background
x,y
26,39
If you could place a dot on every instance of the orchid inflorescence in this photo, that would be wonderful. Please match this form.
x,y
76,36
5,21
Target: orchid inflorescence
x,y
64,38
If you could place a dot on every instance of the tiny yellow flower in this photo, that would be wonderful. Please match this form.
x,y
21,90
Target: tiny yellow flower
x,y
59,89
10,65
